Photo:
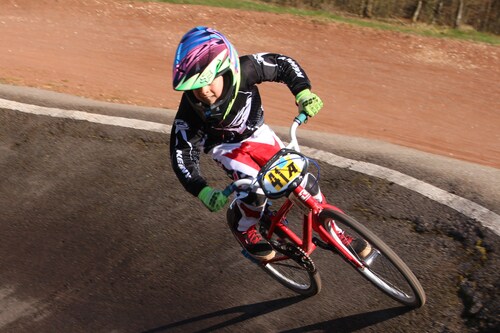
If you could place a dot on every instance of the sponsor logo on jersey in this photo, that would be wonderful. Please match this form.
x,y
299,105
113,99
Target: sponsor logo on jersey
x,y
294,65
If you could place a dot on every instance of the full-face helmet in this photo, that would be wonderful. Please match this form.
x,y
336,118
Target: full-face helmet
x,y
202,55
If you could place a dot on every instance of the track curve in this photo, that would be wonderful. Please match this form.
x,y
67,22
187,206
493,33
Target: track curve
x,y
99,236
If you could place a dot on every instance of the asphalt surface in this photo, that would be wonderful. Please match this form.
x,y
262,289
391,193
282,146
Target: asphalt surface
x,y
98,236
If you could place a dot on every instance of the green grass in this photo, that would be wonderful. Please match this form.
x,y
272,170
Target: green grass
x,y
235,4
419,29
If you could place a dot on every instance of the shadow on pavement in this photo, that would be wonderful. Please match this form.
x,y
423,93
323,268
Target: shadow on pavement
x,y
353,323
345,324
247,311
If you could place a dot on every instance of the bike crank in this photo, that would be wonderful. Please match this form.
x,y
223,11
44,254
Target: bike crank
x,y
296,254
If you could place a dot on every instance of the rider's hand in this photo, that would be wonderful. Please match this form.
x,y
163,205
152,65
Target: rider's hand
x,y
308,102
213,199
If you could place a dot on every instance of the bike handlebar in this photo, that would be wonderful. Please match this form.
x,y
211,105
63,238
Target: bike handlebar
x,y
294,144
297,121
302,117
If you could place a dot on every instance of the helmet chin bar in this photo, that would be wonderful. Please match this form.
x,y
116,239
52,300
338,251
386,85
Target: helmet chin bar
x,y
217,111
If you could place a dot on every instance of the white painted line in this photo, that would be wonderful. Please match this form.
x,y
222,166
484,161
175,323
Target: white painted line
x,y
469,208
86,116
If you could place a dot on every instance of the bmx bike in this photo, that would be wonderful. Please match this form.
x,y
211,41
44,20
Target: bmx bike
x,y
286,176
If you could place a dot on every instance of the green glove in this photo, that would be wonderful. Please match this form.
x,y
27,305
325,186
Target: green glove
x,y
213,199
308,102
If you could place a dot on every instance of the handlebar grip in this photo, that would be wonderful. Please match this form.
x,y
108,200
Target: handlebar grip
x,y
301,118
229,190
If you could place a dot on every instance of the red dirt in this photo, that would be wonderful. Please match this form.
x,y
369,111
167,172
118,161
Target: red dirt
x,y
436,95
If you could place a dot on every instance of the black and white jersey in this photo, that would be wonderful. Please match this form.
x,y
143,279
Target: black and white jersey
x,y
191,134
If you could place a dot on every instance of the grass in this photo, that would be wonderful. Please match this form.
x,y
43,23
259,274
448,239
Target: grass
x,y
418,29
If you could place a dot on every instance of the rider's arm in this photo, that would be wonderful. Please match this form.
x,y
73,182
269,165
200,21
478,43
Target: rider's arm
x,y
185,143
273,67
280,68
185,156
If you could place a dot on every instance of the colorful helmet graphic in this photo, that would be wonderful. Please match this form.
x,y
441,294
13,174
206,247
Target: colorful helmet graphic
x,y
202,55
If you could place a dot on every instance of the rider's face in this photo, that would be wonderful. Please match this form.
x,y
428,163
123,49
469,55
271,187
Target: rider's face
x,y
210,93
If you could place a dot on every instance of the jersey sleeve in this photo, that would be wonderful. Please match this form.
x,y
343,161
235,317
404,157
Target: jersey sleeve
x,y
273,67
185,148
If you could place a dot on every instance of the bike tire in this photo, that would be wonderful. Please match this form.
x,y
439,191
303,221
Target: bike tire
x,y
296,271
387,271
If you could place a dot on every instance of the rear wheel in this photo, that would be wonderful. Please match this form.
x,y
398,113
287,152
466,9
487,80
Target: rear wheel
x,y
382,266
294,269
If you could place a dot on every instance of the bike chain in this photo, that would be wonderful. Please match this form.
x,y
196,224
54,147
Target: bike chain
x,y
288,249
296,253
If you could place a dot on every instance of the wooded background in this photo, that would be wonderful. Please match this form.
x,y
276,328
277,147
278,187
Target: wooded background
x,y
481,15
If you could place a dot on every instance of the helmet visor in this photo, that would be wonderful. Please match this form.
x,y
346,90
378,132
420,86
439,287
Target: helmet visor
x,y
201,67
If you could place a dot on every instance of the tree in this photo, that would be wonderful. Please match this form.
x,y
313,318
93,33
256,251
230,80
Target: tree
x,y
367,8
486,17
458,17
436,16
416,13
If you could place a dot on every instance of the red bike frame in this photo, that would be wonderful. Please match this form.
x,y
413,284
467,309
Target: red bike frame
x,y
310,222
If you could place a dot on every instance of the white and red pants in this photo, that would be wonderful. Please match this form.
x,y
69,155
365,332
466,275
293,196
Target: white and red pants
x,y
244,160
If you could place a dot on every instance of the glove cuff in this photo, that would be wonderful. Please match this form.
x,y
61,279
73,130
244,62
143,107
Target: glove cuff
x,y
301,94
204,192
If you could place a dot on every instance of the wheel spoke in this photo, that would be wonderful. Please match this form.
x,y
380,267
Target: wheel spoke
x,y
293,269
382,266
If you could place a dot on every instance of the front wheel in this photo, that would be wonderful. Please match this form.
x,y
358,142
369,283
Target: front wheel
x,y
382,266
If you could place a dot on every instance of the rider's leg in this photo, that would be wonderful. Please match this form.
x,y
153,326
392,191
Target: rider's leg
x,y
250,211
244,160
242,218
359,245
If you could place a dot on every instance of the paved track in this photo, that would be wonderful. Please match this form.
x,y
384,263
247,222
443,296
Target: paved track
x,y
98,236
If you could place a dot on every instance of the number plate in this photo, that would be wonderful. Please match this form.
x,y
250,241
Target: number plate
x,y
282,173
